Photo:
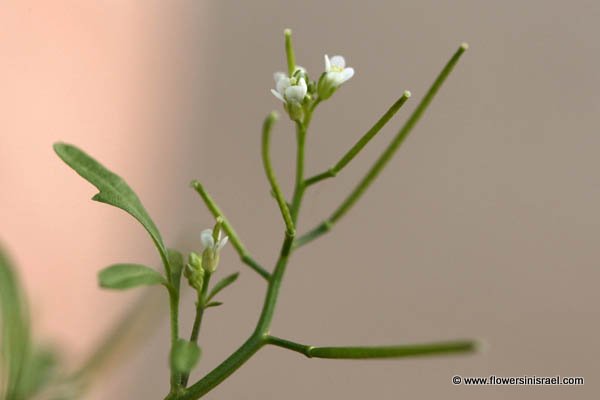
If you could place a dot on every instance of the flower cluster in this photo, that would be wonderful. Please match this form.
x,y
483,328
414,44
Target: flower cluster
x,y
298,92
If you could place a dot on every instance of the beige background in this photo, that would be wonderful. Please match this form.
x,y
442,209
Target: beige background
x,y
485,225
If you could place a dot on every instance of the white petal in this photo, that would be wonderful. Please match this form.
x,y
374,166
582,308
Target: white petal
x,y
302,84
277,76
299,68
338,61
222,242
346,74
276,94
334,77
282,84
327,63
295,93
207,239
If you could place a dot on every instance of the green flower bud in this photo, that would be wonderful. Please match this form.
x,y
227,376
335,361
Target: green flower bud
x,y
210,260
326,87
195,260
295,110
194,272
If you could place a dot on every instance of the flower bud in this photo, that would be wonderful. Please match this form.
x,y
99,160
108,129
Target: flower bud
x,y
326,87
295,110
194,272
213,242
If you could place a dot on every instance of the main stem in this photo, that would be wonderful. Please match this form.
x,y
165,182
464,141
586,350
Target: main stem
x,y
174,313
260,335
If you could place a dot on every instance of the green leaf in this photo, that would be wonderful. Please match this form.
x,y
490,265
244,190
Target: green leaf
x,y
213,304
222,284
125,276
176,263
184,356
112,188
15,330
40,371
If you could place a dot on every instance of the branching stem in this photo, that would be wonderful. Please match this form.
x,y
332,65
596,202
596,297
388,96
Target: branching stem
x,y
376,352
364,140
233,237
285,212
385,157
261,335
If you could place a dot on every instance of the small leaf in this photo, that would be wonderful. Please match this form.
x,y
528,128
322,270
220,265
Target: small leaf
x,y
112,188
125,276
184,356
213,304
176,263
222,284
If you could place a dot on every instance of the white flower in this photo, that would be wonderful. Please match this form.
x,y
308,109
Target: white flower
x,y
290,90
336,71
212,247
208,241
335,74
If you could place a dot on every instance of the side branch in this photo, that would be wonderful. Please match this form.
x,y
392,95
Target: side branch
x,y
385,157
233,237
285,212
377,352
366,138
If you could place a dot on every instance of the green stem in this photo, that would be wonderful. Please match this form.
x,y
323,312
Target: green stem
x,y
270,302
385,157
256,340
299,186
377,352
289,52
366,138
222,371
260,336
200,308
174,314
233,237
285,212
198,319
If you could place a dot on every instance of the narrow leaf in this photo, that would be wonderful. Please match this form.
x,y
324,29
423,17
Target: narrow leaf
x,y
112,188
222,284
184,356
15,330
40,370
213,304
125,276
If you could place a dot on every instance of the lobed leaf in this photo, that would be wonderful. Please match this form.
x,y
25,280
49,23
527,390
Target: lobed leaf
x,y
113,190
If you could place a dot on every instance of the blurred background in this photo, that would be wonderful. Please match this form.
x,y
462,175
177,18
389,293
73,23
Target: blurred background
x,y
485,225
